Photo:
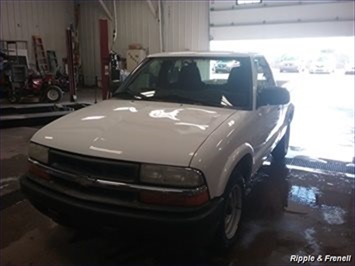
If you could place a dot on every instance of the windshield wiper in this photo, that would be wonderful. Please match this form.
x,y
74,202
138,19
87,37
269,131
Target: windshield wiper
x,y
174,98
182,99
130,94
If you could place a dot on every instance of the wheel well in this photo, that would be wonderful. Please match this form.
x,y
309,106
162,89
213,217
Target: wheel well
x,y
244,166
243,169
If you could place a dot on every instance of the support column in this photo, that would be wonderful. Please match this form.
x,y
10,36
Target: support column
x,y
104,56
70,62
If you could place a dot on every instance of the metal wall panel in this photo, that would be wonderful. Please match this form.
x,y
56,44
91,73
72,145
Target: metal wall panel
x,y
19,20
135,24
185,26
281,19
90,13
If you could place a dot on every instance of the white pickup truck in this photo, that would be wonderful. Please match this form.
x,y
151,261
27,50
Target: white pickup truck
x,y
173,148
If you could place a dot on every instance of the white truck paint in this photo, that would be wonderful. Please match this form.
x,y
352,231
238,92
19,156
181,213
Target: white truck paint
x,y
197,154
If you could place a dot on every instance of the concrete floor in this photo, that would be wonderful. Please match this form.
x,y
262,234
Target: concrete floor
x,y
318,218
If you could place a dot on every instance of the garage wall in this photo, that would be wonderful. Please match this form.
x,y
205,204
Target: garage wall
x,y
19,20
135,24
89,39
280,19
185,26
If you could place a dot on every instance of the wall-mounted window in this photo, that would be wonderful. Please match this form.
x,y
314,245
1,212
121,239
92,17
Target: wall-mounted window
x,y
245,2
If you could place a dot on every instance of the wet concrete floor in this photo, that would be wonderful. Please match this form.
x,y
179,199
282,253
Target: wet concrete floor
x,y
287,212
13,156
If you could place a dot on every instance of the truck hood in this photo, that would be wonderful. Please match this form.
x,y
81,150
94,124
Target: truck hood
x,y
141,131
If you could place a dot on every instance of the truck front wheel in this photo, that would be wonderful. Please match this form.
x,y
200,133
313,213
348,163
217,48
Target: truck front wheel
x,y
232,213
280,151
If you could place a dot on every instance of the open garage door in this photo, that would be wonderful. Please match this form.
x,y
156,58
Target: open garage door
x,y
310,46
240,20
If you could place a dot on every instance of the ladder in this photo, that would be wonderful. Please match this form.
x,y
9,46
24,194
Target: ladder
x,y
40,55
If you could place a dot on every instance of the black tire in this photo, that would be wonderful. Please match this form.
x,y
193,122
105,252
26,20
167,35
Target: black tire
x,y
229,223
280,151
67,224
53,94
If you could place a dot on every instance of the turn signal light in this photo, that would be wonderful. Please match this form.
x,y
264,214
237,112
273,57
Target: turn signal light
x,y
174,199
37,171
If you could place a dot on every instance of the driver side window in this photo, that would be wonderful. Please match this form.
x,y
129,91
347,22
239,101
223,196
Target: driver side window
x,y
264,75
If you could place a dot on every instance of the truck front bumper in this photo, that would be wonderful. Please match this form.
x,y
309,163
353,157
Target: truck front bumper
x,y
200,222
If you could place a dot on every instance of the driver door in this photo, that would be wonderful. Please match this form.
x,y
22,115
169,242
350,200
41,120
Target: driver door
x,y
269,115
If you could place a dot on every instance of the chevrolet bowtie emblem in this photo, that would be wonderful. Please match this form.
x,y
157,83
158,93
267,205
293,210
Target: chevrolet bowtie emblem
x,y
85,180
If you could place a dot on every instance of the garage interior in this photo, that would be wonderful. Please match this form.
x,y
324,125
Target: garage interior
x,y
88,47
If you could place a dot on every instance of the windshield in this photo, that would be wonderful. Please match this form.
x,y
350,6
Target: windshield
x,y
220,82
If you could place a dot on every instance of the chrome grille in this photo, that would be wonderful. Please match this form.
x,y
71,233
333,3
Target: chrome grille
x,y
93,167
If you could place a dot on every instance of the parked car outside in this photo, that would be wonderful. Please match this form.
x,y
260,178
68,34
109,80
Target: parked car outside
x,y
174,149
292,64
322,65
224,66
350,68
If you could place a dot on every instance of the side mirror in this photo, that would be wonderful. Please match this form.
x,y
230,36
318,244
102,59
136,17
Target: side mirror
x,y
273,96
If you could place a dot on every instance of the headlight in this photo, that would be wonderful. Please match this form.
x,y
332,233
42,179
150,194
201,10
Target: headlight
x,y
38,152
171,176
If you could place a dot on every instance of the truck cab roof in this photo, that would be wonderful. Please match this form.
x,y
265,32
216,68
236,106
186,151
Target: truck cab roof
x,y
203,54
